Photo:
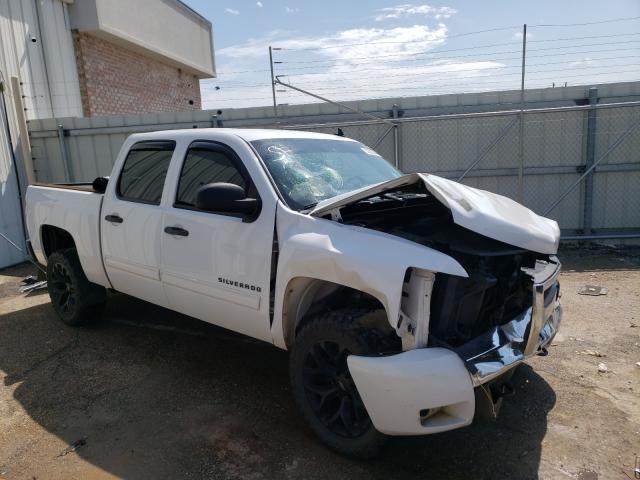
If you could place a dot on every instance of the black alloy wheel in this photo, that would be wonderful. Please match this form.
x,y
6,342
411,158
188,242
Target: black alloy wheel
x,y
323,388
62,290
332,392
74,298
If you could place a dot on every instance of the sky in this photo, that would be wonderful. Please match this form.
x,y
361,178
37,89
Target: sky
x,y
382,48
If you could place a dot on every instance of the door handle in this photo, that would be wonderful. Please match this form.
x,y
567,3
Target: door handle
x,y
176,231
113,218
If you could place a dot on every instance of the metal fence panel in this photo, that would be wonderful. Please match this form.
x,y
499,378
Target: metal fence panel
x,y
555,151
616,194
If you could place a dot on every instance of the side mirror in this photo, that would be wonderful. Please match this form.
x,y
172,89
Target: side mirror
x,y
226,198
99,185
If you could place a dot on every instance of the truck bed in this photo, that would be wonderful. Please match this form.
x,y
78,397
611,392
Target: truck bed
x,y
75,208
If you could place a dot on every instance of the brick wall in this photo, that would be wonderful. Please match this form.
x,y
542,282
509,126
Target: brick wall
x,y
116,80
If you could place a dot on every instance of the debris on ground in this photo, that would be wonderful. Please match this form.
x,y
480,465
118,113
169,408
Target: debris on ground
x,y
33,287
593,290
29,279
593,353
602,368
73,447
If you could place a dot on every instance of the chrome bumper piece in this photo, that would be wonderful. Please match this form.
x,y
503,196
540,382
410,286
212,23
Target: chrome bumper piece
x,y
503,347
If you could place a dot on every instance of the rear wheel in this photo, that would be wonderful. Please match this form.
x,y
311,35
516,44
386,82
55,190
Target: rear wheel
x,y
323,388
74,298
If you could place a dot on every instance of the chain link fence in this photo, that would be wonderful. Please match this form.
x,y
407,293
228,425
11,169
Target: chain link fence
x,y
545,169
579,165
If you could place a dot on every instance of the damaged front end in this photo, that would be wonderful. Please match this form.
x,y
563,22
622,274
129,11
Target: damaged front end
x,y
505,310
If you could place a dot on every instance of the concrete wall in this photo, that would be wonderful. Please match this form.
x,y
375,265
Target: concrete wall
x,y
165,29
116,80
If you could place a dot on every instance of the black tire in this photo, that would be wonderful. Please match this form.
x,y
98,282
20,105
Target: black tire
x,y
74,298
323,388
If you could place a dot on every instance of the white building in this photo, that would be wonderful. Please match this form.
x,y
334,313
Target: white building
x,y
65,58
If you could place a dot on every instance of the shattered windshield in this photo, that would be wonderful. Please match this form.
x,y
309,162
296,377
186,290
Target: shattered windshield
x,y
308,170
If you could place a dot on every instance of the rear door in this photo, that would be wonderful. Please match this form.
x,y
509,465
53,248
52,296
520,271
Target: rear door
x,y
132,219
216,267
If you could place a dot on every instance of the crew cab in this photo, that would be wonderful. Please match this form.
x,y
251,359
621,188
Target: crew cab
x,y
405,301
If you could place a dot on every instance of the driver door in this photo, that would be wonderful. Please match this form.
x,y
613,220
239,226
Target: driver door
x,y
216,267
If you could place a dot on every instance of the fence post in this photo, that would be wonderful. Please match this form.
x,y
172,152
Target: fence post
x,y
396,146
587,219
64,154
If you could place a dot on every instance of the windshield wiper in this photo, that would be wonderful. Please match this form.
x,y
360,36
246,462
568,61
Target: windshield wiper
x,y
308,207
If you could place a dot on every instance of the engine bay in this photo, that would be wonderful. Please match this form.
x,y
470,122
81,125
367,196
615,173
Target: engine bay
x,y
497,288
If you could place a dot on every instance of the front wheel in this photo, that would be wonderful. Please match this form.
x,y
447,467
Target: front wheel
x,y
323,388
74,298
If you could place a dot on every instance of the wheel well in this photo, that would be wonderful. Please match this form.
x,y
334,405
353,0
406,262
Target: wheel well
x,y
305,297
54,239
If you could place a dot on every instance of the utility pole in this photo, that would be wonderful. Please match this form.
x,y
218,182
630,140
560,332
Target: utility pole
x,y
273,83
521,150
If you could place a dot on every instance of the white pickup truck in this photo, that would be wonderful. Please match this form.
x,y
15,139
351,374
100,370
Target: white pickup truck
x,y
405,301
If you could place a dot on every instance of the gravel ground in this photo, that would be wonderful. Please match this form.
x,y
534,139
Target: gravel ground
x,y
147,393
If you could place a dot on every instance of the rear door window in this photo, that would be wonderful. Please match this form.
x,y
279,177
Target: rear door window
x,y
144,172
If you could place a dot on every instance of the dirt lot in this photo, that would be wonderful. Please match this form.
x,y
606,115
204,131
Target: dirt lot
x,y
151,394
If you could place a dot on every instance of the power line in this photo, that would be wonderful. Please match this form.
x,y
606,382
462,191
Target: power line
x,y
396,42
482,77
461,34
583,38
450,50
428,87
418,53
612,20
437,51
453,71
620,19
401,67
554,48
450,75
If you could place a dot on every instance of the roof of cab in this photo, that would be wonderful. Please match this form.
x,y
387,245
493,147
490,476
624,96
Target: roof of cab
x,y
247,134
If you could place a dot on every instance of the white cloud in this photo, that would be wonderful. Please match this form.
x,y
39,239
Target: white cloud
x,y
290,10
407,10
348,44
259,4
365,63
232,11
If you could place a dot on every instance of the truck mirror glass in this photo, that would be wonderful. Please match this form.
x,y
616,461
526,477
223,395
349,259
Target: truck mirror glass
x,y
226,198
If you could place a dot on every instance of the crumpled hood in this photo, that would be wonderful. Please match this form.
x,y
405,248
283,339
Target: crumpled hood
x,y
483,212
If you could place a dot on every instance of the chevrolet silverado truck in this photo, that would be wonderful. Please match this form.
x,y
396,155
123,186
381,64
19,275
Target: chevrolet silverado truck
x,y
405,301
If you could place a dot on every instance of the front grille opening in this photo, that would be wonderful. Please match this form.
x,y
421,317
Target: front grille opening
x,y
496,291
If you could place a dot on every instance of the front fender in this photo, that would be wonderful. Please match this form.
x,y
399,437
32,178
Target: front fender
x,y
366,260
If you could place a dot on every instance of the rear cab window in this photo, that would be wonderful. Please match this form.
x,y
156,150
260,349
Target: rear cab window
x,y
144,172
